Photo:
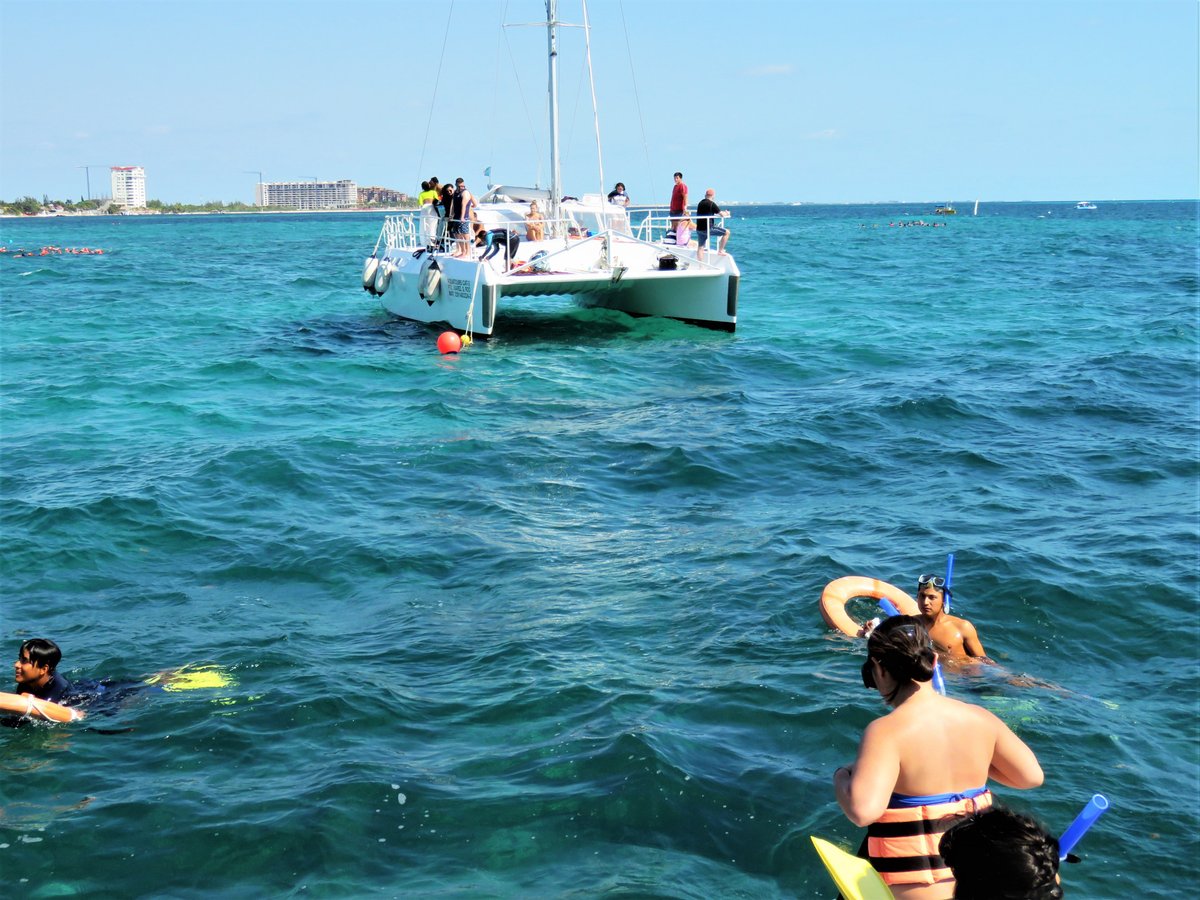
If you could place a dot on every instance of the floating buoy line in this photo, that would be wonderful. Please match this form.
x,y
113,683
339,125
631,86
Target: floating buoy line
x,y
52,251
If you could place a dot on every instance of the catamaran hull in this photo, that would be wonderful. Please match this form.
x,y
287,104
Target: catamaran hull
x,y
468,295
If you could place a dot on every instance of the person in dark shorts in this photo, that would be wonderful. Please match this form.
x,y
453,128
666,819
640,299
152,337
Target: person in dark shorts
x,y
707,213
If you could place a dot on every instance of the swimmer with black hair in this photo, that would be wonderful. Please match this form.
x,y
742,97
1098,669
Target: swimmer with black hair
x,y
954,637
930,758
43,693
998,853
41,688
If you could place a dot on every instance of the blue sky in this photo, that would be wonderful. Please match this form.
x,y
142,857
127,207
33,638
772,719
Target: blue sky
x,y
764,100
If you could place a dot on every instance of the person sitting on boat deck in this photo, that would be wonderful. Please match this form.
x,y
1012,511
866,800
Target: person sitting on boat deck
x,y
998,853
955,638
618,196
535,224
682,235
922,764
679,198
706,225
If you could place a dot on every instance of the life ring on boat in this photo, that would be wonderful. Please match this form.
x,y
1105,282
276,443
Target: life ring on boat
x,y
841,590
383,277
369,267
430,280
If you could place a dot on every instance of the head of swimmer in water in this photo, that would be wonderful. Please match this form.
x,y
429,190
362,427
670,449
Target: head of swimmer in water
x,y
1000,853
933,596
900,648
36,662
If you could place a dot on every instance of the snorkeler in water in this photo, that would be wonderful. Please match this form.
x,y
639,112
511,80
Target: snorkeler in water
x,y
955,638
43,693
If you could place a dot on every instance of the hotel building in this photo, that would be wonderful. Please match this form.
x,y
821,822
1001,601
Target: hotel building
x,y
129,186
308,194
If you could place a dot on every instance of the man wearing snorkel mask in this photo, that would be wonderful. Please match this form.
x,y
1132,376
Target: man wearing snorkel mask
x,y
954,638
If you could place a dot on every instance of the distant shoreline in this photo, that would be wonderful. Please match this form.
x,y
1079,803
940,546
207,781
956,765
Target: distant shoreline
x,y
409,209
209,212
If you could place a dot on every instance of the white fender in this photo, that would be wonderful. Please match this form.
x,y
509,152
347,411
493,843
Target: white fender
x,y
430,281
383,277
369,267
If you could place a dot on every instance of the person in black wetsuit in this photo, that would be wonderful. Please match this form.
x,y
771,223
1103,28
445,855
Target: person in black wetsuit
x,y
497,241
41,691
36,670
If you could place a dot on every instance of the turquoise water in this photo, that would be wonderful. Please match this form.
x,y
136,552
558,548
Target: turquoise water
x,y
539,620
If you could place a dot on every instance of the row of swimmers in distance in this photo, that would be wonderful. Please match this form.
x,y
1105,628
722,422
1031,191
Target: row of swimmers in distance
x,y
52,251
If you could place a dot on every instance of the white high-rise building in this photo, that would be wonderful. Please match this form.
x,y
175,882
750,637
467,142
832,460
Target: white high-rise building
x,y
308,194
129,186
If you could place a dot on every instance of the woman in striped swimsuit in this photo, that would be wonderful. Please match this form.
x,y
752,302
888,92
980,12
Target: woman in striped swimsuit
x,y
924,765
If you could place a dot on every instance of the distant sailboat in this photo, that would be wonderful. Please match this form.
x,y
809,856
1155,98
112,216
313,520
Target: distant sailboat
x,y
976,208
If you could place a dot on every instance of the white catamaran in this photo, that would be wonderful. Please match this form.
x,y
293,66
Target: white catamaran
x,y
597,252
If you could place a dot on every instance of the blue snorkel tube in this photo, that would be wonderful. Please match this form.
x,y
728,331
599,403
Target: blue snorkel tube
x,y
1096,807
939,684
949,576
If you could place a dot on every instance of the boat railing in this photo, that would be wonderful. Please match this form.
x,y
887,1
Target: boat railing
x,y
410,231
657,225
401,232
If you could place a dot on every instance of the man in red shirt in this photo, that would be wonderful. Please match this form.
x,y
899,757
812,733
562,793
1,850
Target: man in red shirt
x,y
678,201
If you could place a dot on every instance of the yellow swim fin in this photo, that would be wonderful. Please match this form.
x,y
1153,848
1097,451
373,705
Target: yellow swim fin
x,y
193,678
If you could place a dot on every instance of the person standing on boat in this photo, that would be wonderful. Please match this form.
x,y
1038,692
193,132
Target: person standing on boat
x,y
679,198
427,201
461,217
618,196
706,213
922,766
445,235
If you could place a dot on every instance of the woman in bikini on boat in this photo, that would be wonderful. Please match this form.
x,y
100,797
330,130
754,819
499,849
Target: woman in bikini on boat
x,y
922,765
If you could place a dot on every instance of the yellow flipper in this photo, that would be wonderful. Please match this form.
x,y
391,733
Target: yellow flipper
x,y
855,878
191,678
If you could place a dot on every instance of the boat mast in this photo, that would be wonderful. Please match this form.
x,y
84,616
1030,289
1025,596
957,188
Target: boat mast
x,y
555,174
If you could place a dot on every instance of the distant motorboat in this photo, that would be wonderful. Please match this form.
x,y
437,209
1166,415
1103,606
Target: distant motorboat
x,y
946,210
1085,204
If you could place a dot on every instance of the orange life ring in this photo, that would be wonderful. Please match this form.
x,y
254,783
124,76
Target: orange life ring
x,y
841,590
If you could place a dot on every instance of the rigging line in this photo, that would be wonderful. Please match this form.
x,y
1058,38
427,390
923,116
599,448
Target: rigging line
x,y
575,108
496,93
636,97
433,102
587,42
537,150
